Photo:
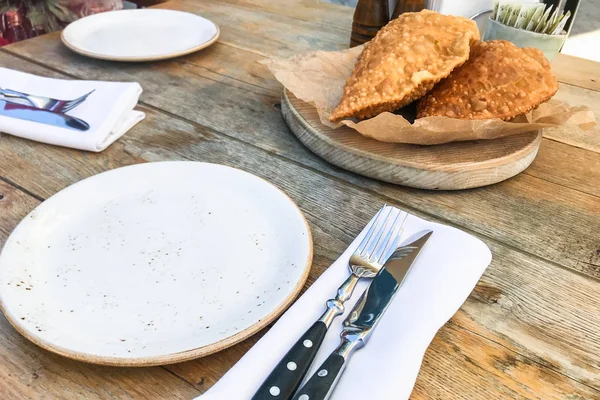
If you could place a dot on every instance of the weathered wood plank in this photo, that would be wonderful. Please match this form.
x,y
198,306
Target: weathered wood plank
x,y
520,299
315,11
529,292
567,166
577,71
14,205
218,63
573,136
529,212
28,372
263,32
518,336
549,323
466,359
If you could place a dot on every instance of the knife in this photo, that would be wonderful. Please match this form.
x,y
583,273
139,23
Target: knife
x,y
28,113
363,318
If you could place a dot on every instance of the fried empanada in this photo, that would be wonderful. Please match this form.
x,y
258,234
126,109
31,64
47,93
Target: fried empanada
x,y
499,81
403,62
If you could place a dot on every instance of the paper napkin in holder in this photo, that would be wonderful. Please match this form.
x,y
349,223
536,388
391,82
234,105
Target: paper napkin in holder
x,y
109,110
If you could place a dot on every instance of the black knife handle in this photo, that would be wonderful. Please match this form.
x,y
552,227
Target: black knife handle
x,y
288,374
321,384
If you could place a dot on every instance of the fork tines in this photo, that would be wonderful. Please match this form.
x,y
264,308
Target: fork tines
x,y
383,235
71,104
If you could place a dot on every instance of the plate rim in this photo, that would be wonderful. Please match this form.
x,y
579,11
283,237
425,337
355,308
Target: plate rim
x,y
100,56
181,356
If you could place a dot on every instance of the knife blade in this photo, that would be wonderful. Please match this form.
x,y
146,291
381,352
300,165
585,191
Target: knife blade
x,y
28,113
363,319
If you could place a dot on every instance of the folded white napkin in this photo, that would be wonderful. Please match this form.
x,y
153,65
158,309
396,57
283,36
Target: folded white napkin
x,y
108,110
441,279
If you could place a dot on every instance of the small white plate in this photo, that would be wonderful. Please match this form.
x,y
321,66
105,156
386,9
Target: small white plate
x,y
154,264
139,35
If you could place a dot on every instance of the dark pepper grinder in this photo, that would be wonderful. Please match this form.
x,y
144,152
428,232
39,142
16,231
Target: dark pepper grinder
x,y
369,17
408,6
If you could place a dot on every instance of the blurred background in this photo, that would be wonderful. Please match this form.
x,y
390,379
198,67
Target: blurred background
x,y
584,40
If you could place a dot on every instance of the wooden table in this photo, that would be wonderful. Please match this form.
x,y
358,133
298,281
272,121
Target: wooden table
x,y
529,330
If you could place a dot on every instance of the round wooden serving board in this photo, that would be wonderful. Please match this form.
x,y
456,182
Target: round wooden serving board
x,y
451,166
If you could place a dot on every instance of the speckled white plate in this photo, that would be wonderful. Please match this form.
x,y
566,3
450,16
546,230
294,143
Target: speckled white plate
x,y
139,35
154,264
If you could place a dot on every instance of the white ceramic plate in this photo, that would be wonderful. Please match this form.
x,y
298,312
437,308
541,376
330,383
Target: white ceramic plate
x,y
154,263
139,35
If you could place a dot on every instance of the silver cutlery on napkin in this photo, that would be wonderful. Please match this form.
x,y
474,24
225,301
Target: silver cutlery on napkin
x,y
362,320
28,113
380,241
45,103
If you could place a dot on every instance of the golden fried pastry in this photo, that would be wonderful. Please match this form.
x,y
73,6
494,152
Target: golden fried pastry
x,y
403,61
499,81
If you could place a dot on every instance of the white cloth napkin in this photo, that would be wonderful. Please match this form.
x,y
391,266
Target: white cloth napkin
x,y
109,110
441,279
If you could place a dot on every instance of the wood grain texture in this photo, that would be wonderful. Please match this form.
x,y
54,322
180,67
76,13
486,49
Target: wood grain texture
x,y
451,166
567,166
336,213
529,329
512,211
313,11
577,71
471,361
264,32
574,136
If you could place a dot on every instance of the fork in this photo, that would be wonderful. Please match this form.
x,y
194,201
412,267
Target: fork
x,y
44,103
379,242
